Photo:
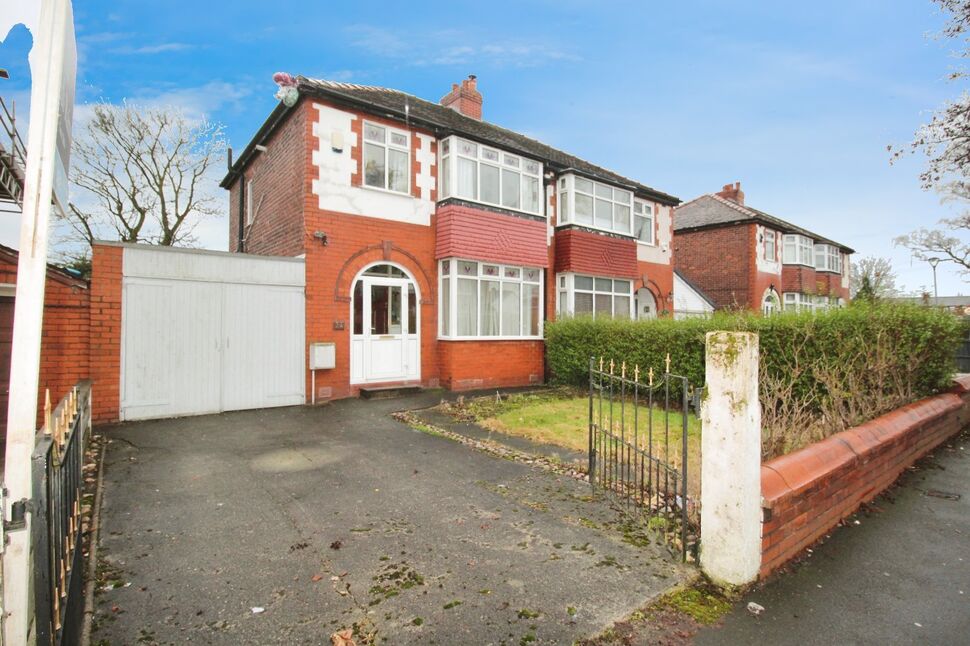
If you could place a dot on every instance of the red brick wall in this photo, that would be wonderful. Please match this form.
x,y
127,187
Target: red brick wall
x,y
64,336
719,261
798,278
598,255
469,365
659,279
105,361
806,493
279,178
476,234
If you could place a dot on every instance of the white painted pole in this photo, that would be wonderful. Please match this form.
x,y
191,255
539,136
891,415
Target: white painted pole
x,y
49,41
731,460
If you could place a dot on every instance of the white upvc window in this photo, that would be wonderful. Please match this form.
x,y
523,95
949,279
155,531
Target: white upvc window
x,y
795,302
594,204
387,158
472,171
596,296
798,250
828,258
489,300
770,252
643,222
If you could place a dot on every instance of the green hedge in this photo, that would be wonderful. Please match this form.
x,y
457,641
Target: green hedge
x,y
909,340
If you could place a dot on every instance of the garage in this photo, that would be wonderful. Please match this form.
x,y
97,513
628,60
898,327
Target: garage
x,y
206,332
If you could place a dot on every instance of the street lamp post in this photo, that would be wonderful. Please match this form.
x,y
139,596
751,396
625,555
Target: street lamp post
x,y
933,263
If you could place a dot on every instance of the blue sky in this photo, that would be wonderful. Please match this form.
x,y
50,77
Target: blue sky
x,y
798,101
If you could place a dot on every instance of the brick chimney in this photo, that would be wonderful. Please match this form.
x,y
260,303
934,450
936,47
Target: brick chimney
x,y
733,193
465,98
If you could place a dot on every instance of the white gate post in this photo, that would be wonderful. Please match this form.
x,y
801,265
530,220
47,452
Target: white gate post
x,y
731,460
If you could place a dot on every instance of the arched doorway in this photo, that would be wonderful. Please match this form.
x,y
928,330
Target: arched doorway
x,y
770,303
385,332
646,304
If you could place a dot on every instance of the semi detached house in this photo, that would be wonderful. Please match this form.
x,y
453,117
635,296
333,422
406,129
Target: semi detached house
x,y
436,244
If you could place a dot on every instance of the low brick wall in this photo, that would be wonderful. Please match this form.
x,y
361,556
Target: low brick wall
x,y
806,493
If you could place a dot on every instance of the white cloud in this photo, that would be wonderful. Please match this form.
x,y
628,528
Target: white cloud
x,y
160,48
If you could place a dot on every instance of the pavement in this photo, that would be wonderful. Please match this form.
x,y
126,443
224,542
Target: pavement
x,y
287,525
899,576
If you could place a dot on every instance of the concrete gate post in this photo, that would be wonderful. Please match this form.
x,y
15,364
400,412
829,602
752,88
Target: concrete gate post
x,y
730,550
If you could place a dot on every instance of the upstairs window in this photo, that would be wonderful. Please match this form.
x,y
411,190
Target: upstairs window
x,y
798,250
471,171
595,205
643,222
828,258
769,249
386,158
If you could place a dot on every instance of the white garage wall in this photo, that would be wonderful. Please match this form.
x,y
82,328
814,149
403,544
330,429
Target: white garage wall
x,y
204,332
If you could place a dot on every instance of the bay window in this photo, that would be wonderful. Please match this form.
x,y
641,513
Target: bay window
x,y
481,299
828,258
643,222
593,204
798,250
387,158
795,302
471,171
595,296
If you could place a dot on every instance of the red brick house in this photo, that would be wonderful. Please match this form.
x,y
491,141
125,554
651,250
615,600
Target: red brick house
x,y
437,244
745,258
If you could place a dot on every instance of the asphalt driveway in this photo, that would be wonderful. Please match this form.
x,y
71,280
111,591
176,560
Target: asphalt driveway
x,y
286,525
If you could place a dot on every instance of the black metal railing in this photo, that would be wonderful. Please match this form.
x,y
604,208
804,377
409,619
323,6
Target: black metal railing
x,y
58,473
634,452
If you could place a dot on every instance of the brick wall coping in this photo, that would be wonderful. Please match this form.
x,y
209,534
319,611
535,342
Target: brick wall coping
x,y
204,252
794,473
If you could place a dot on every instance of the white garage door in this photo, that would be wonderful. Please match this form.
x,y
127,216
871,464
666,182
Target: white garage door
x,y
205,332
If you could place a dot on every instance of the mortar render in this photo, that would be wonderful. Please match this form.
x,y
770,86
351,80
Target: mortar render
x,y
730,551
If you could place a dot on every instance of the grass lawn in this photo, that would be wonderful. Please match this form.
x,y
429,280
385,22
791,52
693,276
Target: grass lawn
x,y
561,417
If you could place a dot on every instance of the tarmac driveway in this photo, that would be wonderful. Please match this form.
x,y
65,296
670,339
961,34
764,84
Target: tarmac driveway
x,y
286,525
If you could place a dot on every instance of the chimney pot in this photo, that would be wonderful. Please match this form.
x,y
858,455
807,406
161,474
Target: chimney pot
x,y
465,98
732,192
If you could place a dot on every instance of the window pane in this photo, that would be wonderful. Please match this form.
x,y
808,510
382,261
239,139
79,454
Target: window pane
x,y
510,189
621,307
563,309
466,268
530,194
467,148
374,133
621,286
644,229
531,167
530,310
531,274
412,311
489,180
512,272
445,307
562,207
584,185
604,285
489,154
623,197
584,209
399,139
604,214
621,218
604,191
490,270
511,304
490,307
584,282
374,165
638,207
584,304
445,177
467,178
467,307
512,161
445,267
359,307
397,171
604,305
445,146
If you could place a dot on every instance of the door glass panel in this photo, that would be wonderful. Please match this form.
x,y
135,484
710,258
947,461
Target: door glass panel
x,y
412,311
359,307
385,307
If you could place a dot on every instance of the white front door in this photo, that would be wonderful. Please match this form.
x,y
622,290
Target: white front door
x,y
385,340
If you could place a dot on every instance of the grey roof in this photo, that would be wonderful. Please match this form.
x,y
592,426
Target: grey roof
x,y
714,210
446,121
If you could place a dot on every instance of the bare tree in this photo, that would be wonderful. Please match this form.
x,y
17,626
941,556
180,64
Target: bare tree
x,y
873,276
140,174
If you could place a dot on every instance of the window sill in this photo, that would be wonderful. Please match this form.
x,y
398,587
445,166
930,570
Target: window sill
x,y
492,208
594,229
652,245
490,338
828,271
387,191
797,264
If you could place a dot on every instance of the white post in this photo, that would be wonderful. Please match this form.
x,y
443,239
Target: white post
x,y
50,42
731,460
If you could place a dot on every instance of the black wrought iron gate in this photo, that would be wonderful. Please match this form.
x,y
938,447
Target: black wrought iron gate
x,y
639,446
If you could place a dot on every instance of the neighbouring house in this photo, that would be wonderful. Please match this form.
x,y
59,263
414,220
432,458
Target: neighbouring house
x,y
689,300
436,244
744,258
64,359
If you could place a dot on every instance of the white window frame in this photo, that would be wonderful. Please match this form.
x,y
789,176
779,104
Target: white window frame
x,y
566,294
647,214
771,303
449,152
831,258
772,239
448,270
798,302
387,145
565,198
249,202
802,250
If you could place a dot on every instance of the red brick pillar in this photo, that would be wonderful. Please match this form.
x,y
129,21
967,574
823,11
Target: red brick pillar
x,y
106,274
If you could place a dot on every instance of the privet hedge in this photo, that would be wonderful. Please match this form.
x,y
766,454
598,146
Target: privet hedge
x,y
820,373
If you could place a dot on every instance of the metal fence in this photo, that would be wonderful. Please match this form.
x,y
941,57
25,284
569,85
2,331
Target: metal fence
x,y
962,354
639,447
58,473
